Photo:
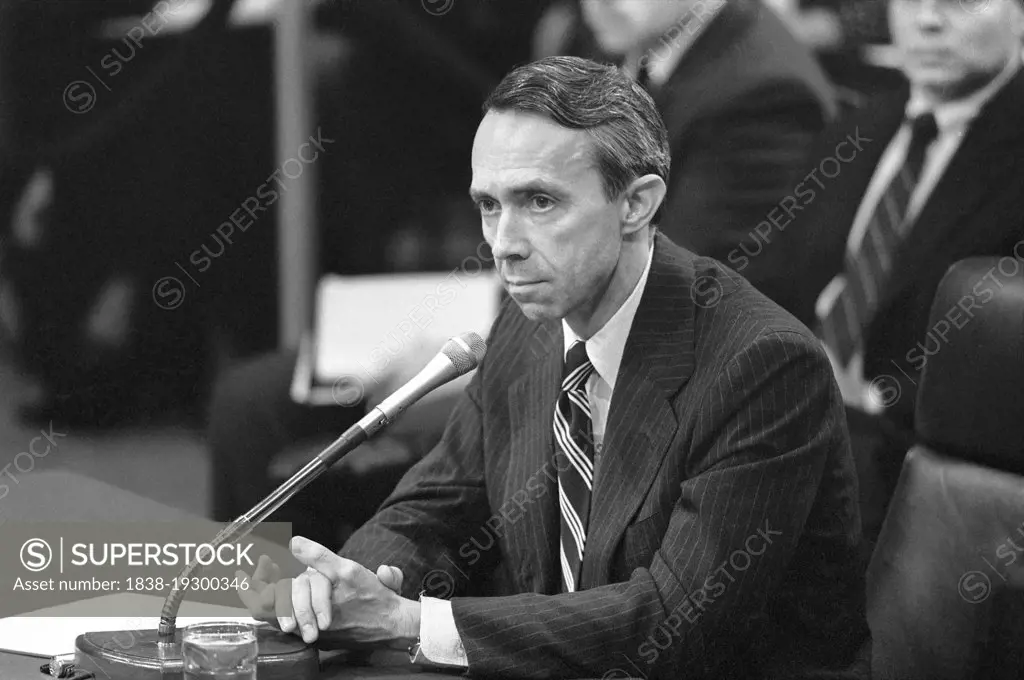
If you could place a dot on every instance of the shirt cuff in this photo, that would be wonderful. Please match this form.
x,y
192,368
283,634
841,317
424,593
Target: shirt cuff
x,y
440,642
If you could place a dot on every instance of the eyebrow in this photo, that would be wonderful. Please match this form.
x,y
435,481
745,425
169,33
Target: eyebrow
x,y
522,190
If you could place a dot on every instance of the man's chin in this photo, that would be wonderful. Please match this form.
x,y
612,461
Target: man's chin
x,y
535,311
940,80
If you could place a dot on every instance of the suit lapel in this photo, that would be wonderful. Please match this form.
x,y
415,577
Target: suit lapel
x,y
531,402
878,125
657,361
833,206
985,157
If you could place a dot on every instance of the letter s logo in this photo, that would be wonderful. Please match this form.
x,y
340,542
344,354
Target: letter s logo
x,y
36,554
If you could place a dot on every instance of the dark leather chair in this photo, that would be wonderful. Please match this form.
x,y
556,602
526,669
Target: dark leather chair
x,y
945,587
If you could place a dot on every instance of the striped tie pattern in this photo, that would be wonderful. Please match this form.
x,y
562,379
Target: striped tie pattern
x,y
574,447
867,269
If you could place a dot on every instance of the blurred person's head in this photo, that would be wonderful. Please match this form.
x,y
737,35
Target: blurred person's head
x,y
570,165
951,48
624,27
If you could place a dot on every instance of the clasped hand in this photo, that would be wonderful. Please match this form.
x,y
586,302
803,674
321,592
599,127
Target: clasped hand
x,y
360,609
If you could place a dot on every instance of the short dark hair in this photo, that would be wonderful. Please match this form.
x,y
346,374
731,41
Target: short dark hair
x,y
628,132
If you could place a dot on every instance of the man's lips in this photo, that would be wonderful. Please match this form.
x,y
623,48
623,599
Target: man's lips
x,y
930,54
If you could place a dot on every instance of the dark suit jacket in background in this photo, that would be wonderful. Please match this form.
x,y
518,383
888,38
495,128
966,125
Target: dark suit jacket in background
x,y
977,208
743,109
725,424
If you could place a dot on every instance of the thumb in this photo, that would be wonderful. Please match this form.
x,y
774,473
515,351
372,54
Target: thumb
x,y
391,577
312,554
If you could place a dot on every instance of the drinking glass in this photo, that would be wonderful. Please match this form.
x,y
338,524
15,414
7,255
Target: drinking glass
x,y
219,650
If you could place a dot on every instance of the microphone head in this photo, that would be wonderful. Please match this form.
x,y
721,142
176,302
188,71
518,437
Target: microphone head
x,y
465,351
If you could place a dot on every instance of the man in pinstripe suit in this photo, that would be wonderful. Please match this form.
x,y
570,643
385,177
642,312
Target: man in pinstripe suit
x,y
649,474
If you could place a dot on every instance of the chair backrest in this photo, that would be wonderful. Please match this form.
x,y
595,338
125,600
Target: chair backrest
x,y
945,587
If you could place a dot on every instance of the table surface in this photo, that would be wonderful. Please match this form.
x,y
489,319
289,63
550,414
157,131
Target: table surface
x,y
59,495
393,665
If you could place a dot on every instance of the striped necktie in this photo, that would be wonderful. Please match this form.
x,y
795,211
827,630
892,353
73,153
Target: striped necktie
x,y
575,451
867,269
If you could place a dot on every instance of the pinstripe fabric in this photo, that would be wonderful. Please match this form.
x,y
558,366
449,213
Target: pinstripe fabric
x,y
725,443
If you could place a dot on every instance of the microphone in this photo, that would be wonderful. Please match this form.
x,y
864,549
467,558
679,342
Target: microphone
x,y
458,356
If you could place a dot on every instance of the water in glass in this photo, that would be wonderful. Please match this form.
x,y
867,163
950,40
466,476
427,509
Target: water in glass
x,y
222,652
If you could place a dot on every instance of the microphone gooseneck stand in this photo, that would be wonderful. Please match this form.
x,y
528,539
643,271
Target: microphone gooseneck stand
x,y
243,525
156,655
282,656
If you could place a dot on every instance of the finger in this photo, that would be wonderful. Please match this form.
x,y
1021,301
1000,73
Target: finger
x,y
249,595
268,605
283,605
260,572
391,577
399,578
265,570
302,606
275,574
312,554
320,592
258,599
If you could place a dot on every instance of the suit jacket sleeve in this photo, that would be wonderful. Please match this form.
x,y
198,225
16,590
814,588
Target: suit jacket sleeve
x,y
758,450
735,168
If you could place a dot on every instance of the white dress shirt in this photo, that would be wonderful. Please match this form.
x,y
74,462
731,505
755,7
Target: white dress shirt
x,y
440,642
953,119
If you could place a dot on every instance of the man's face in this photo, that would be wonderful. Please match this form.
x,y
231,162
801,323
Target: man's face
x,y
623,26
554,235
953,47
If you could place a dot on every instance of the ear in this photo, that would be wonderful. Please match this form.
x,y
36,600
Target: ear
x,y
640,202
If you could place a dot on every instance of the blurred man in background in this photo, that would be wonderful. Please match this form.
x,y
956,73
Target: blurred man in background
x,y
743,102
940,177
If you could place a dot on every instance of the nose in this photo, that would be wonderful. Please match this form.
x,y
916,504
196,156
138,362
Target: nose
x,y
929,15
508,241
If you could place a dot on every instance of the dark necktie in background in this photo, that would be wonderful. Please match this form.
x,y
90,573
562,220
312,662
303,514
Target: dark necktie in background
x,y
574,446
867,270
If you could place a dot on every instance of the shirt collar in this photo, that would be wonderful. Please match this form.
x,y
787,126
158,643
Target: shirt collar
x,y
606,346
667,52
957,114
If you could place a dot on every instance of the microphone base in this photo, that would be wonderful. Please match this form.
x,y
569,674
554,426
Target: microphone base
x,y
139,655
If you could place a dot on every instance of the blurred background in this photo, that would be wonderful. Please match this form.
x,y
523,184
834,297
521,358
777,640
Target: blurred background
x,y
176,176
